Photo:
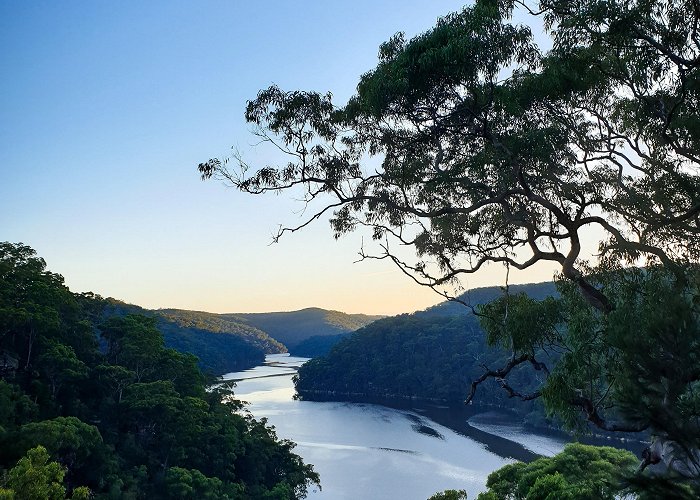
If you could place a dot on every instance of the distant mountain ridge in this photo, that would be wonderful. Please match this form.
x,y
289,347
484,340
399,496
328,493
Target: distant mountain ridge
x,y
294,327
484,295
320,345
237,341
218,323
221,345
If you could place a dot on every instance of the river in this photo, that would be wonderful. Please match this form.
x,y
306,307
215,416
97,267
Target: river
x,y
370,451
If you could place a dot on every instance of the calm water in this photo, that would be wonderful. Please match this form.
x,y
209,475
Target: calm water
x,y
368,451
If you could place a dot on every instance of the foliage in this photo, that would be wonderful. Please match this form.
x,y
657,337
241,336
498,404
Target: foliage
x,y
190,483
15,407
450,495
633,369
318,345
222,345
579,472
78,445
407,356
35,478
292,328
492,150
472,145
132,420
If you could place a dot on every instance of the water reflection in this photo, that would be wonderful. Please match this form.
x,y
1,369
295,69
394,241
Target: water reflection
x,y
371,451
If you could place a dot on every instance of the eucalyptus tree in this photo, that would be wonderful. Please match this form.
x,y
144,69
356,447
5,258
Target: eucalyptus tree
x,y
473,145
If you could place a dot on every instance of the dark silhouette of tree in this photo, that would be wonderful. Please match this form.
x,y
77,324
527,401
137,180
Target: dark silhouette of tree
x,y
472,145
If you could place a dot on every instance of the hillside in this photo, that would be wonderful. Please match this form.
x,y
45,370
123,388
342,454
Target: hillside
x,y
237,341
478,296
433,358
431,354
291,328
318,345
217,323
313,332
98,407
222,345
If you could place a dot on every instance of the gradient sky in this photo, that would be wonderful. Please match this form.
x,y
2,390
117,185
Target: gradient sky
x,y
106,108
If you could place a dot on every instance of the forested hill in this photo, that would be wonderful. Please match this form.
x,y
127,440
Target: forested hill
x,y
292,328
321,345
219,324
221,344
432,358
479,296
94,407
318,345
232,342
433,354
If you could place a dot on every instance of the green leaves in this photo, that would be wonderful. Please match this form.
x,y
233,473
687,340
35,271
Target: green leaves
x,y
472,146
191,483
77,446
521,324
153,428
579,472
464,48
492,150
35,478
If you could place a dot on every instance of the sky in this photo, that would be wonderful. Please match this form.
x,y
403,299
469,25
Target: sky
x,y
106,108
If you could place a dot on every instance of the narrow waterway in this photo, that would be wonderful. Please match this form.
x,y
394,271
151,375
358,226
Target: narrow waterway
x,y
372,451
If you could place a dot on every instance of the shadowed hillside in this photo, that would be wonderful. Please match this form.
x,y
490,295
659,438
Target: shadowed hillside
x,y
217,323
222,344
291,328
233,342
432,354
478,296
318,345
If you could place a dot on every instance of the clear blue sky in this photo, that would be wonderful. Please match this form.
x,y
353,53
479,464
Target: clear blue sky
x,y
106,108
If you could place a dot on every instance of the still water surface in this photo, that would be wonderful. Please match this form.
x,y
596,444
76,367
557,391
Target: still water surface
x,y
369,451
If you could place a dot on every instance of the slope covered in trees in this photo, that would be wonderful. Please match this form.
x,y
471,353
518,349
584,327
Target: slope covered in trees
x,y
410,356
222,345
480,296
232,342
318,345
293,327
219,323
431,354
104,405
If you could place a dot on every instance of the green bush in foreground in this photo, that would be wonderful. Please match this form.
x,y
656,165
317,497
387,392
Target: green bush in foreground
x,y
578,472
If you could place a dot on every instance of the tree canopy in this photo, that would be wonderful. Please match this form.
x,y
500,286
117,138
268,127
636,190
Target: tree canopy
x,y
580,472
409,356
102,409
493,150
472,145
